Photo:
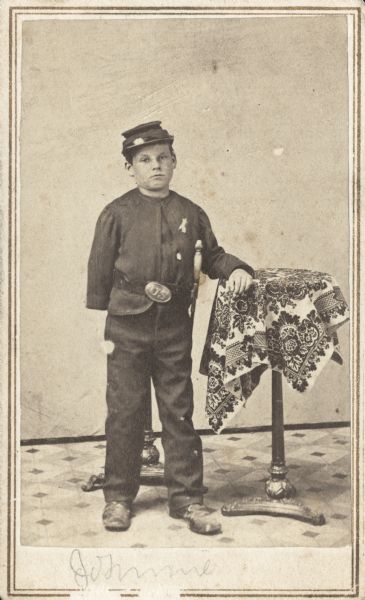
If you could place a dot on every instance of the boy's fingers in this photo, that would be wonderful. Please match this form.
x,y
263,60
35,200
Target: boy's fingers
x,y
248,282
235,284
239,283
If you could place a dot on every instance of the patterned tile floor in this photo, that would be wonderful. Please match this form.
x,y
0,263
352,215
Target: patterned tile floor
x,y
56,512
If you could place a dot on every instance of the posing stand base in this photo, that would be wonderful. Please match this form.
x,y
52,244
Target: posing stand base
x,y
278,488
152,471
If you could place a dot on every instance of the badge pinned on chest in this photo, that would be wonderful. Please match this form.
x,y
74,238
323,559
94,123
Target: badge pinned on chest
x,y
157,292
183,225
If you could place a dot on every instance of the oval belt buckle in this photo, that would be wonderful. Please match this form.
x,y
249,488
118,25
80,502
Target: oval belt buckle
x,y
157,292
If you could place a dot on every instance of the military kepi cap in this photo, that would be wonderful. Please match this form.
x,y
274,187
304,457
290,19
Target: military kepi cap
x,y
142,135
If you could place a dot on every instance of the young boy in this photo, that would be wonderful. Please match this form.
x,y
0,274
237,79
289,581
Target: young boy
x,y
149,235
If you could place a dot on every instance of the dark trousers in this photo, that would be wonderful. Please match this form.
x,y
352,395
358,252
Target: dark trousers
x,y
154,345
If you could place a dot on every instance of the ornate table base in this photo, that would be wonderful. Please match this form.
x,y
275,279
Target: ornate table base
x,y
274,508
278,487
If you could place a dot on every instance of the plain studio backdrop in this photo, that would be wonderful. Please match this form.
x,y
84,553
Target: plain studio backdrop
x,y
259,110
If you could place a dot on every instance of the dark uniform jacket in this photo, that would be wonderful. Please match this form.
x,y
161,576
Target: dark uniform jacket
x,y
140,239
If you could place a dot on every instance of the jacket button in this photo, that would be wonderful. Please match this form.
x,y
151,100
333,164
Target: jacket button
x,y
178,256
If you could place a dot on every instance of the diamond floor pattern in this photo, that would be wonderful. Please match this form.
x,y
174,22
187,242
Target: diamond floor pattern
x,y
56,512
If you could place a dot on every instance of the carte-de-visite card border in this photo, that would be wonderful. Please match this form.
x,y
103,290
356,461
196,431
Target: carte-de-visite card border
x,y
14,14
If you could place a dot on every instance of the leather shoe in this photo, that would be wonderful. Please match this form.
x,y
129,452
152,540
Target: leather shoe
x,y
117,516
199,518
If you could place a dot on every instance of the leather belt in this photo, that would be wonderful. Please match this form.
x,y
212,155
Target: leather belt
x,y
160,292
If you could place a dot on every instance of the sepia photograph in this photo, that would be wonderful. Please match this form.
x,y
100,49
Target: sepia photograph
x,y
182,402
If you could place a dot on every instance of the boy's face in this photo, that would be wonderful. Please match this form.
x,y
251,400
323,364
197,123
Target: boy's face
x,y
152,167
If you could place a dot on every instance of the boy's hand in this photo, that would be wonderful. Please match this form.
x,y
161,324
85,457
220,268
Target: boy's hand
x,y
239,281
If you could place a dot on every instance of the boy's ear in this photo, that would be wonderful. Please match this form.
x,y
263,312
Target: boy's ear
x,y
128,167
174,159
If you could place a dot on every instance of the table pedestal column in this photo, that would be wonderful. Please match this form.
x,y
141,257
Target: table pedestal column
x,y
278,487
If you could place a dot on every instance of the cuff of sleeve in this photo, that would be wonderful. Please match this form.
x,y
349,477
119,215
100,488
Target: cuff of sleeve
x,y
246,268
97,302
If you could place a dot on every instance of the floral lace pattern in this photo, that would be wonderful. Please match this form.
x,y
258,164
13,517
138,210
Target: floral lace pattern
x,y
286,321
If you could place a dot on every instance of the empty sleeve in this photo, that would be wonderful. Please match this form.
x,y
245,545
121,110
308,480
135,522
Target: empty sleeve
x,y
103,254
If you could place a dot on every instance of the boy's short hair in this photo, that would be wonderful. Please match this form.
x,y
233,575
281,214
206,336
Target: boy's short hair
x,y
144,135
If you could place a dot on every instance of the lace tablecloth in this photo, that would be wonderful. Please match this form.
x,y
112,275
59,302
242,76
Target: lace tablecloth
x,y
286,321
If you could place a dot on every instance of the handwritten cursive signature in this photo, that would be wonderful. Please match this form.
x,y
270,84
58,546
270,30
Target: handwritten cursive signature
x,y
106,568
